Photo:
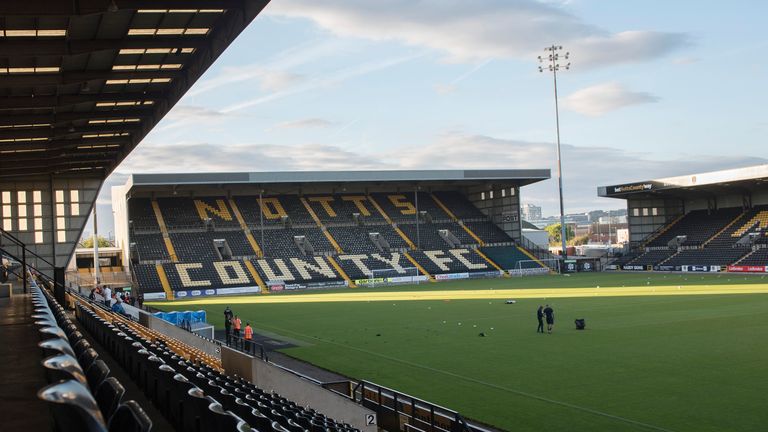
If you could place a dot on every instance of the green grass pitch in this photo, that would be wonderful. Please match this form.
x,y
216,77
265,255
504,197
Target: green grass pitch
x,y
666,363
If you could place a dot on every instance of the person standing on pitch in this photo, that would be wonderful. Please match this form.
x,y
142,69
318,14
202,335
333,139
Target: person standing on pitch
x,y
236,323
540,317
550,314
227,323
248,337
227,329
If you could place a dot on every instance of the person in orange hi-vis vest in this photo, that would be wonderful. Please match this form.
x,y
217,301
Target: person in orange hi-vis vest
x,y
236,324
248,336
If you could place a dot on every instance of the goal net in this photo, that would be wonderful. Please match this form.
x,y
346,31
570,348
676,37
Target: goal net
x,y
410,275
533,267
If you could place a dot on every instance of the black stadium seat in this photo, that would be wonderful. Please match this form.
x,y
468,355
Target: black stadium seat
x,y
129,417
108,396
97,373
73,407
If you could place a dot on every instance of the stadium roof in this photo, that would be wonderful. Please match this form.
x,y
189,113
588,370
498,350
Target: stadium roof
x,y
733,181
338,178
82,82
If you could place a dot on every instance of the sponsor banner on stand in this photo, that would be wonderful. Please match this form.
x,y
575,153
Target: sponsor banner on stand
x,y
294,286
612,267
586,266
451,276
237,290
570,266
747,269
666,268
154,296
485,274
369,281
634,267
326,284
276,287
400,279
528,271
700,268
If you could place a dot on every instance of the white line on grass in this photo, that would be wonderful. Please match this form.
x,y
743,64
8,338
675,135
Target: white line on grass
x,y
477,381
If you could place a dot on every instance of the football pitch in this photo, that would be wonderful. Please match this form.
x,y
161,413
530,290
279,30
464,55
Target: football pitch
x,y
660,352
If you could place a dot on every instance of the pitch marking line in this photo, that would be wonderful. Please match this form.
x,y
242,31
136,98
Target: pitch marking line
x,y
481,294
484,383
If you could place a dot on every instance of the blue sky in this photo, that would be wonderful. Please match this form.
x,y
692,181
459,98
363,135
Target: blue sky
x,y
656,88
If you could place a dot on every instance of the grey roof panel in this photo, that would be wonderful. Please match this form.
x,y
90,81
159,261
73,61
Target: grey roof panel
x,y
289,177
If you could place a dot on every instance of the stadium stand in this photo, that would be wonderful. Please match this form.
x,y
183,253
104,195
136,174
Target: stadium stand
x,y
283,242
507,257
696,222
298,248
150,247
460,206
707,256
488,232
443,261
274,209
361,266
83,394
189,388
425,236
143,216
652,257
236,243
758,257
341,209
707,238
697,226
147,276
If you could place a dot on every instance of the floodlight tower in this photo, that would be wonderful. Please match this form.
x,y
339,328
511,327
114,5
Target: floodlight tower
x,y
551,62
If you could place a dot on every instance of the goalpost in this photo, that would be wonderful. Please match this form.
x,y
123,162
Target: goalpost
x,y
532,267
391,277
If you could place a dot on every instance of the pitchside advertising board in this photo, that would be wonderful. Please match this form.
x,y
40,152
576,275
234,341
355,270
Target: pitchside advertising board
x,y
701,268
528,271
213,292
390,280
573,266
278,285
747,269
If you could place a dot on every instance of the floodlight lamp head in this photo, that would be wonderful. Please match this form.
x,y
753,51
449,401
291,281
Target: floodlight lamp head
x,y
541,69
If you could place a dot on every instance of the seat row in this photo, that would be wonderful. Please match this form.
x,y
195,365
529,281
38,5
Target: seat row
x,y
194,396
82,395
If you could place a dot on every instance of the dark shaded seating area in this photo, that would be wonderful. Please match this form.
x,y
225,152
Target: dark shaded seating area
x,y
195,396
82,395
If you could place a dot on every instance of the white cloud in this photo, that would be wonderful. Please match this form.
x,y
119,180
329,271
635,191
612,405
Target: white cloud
x,y
271,80
272,74
305,123
602,98
481,29
315,83
686,60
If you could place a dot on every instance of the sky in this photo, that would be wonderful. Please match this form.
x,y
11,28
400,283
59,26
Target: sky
x,y
655,88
